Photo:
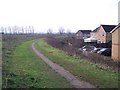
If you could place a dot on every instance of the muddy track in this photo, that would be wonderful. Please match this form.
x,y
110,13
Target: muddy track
x,y
76,83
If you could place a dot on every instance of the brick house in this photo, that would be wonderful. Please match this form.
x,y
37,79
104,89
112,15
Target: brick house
x,y
102,33
83,34
93,33
116,42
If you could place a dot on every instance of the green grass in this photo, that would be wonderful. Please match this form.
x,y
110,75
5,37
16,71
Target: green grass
x,y
26,70
0,63
81,68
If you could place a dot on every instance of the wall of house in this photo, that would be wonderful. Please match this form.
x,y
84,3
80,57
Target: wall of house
x,y
79,35
86,36
108,37
115,52
100,36
116,44
119,43
93,34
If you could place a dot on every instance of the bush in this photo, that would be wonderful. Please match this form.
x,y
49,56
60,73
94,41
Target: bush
x,y
103,60
62,43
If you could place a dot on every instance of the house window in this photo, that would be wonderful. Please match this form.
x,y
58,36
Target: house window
x,y
98,41
103,34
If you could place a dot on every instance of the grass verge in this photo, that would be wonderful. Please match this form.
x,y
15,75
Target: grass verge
x,y
26,70
83,69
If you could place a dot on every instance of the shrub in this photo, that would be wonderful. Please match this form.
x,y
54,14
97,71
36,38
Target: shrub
x,y
62,43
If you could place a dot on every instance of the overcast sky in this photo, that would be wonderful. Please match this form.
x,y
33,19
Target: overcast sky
x,y
70,14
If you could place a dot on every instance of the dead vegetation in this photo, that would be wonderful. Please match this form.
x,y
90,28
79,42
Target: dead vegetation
x,y
70,45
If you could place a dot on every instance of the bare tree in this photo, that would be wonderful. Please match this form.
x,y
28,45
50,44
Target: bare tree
x,y
29,29
26,29
5,30
61,30
10,31
69,34
15,29
2,30
32,29
22,30
49,31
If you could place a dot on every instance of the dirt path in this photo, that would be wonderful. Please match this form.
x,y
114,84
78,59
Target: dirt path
x,y
60,70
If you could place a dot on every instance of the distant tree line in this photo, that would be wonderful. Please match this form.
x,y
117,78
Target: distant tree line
x,y
17,30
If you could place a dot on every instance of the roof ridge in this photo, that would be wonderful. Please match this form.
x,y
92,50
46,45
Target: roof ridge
x,y
107,25
108,28
115,28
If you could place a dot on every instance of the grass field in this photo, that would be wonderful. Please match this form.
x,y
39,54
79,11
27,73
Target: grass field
x,y
83,69
26,70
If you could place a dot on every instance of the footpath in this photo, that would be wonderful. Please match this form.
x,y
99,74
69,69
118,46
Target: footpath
x,y
76,83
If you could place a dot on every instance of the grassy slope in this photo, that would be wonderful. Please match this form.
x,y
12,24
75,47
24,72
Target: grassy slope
x,y
0,62
27,70
83,69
